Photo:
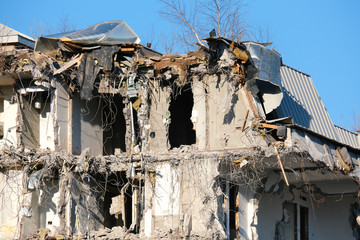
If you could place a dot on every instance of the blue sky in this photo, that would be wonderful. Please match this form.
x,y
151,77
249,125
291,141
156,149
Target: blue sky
x,y
316,37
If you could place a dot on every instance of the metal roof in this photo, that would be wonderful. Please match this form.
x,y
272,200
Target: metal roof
x,y
108,33
348,137
300,99
302,102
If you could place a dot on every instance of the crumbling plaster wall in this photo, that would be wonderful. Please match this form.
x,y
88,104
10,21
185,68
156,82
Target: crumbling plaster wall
x,y
143,117
333,215
30,219
8,116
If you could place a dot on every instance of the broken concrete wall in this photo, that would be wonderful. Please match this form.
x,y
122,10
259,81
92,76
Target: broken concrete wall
x,y
185,195
26,206
85,205
49,206
159,117
185,199
247,207
227,112
321,150
200,112
304,208
44,210
30,219
62,121
220,107
11,203
167,196
8,116
271,212
201,198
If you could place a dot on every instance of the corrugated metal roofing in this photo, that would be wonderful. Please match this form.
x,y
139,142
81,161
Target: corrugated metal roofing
x,y
302,102
348,137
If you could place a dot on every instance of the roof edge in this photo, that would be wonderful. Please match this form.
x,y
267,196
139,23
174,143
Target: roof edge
x,y
284,65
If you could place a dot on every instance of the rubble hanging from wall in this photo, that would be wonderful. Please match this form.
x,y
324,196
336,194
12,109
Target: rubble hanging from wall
x,y
190,186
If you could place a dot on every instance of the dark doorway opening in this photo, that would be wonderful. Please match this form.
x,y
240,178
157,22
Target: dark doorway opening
x,y
234,211
114,125
118,205
304,223
231,209
181,128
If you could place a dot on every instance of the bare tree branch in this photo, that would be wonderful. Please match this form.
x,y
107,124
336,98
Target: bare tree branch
x,y
175,10
65,25
356,122
227,16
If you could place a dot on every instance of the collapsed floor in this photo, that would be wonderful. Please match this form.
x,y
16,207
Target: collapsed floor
x,y
118,141
183,194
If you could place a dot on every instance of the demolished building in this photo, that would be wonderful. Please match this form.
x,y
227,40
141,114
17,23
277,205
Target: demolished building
x,y
103,138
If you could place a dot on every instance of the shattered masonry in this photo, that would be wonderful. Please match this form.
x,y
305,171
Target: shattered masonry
x,y
103,138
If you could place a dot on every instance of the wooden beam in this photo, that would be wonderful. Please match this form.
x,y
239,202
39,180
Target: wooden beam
x,y
127,49
281,165
266,125
251,102
246,116
345,163
69,64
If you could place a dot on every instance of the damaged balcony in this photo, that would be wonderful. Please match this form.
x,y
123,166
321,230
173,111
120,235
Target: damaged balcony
x,y
105,138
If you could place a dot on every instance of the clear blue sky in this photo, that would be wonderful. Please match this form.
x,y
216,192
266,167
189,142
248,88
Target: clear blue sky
x,y
316,37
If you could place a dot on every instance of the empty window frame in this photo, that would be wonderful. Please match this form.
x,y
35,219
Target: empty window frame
x,y
114,125
296,224
181,128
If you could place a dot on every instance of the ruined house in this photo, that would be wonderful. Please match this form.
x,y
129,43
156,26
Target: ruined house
x,y
104,138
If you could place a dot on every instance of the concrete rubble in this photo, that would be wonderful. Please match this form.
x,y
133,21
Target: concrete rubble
x,y
108,139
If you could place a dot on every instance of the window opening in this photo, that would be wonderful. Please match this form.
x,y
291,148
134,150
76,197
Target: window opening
x,y
181,128
114,125
121,203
